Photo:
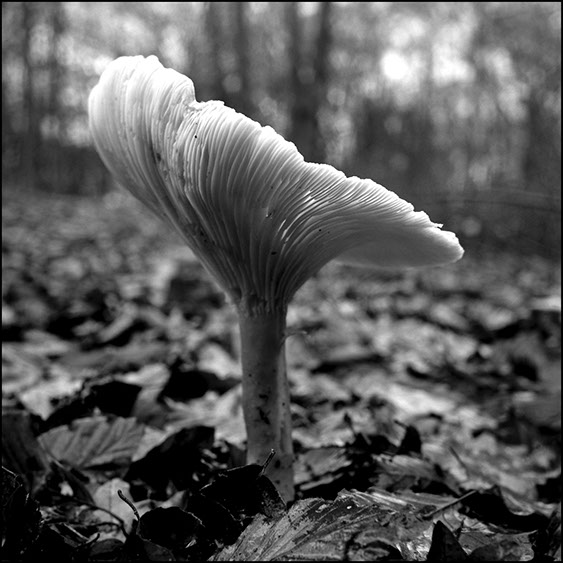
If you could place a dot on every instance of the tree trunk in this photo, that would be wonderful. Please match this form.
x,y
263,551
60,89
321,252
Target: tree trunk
x,y
245,102
31,128
216,41
55,110
308,81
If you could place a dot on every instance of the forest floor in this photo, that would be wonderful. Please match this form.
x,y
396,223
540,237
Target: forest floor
x,y
426,404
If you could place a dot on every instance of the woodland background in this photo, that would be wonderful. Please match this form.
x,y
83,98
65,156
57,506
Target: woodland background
x,y
426,404
454,105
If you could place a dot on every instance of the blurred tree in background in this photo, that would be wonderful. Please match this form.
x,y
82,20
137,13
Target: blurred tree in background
x,y
454,105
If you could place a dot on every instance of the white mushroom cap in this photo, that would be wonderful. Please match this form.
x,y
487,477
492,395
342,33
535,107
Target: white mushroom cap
x,y
259,217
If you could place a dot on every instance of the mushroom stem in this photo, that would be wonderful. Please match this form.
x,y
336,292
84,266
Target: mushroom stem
x,y
265,393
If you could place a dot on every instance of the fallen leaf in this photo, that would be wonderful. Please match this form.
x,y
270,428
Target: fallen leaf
x,y
91,442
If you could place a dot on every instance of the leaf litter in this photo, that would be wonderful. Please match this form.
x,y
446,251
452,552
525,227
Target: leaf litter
x,y
426,405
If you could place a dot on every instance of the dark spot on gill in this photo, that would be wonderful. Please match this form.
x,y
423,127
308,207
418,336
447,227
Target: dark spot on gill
x,y
204,236
273,253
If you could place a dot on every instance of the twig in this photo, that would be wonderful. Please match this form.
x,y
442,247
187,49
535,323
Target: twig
x,y
128,503
267,462
450,504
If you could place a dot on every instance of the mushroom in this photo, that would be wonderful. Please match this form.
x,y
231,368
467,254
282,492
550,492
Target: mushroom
x,y
260,219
